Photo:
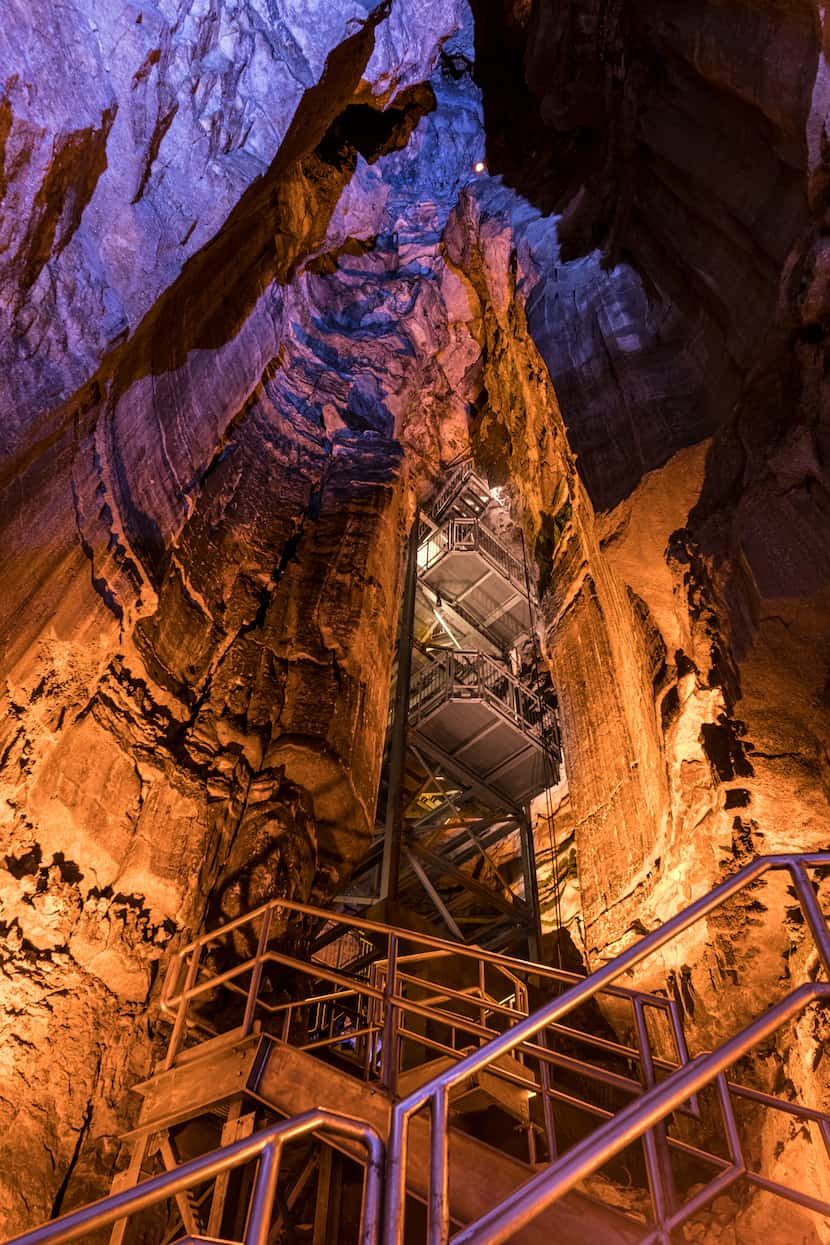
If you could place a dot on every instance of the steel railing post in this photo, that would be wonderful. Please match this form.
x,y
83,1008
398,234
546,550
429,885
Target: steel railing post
x,y
658,1157
733,1137
181,1014
262,1198
682,1048
265,1146
395,1202
482,1011
815,917
177,963
372,1201
256,973
389,1052
547,1105
439,1202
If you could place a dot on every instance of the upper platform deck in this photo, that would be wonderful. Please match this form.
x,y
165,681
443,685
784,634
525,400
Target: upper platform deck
x,y
485,727
465,564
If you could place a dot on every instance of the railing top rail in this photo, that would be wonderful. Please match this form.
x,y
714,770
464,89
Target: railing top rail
x,y
459,472
602,978
448,661
500,672
422,1007
508,964
320,972
628,1125
446,532
515,568
159,1188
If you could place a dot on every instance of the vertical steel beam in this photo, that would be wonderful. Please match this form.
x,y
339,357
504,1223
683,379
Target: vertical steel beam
x,y
329,1193
531,881
391,865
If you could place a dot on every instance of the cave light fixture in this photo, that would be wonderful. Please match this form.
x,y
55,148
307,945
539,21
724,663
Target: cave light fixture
x,y
479,167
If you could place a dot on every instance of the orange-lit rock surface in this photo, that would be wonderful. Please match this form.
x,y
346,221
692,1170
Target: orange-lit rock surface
x,y
685,148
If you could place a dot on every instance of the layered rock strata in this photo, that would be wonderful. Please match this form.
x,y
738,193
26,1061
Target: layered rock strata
x,y
684,150
202,542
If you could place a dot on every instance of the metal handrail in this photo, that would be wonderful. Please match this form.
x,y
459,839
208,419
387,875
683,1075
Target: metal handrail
x,y
266,1146
511,965
631,1123
470,535
498,553
175,1001
458,674
379,1008
644,1118
451,486
599,1148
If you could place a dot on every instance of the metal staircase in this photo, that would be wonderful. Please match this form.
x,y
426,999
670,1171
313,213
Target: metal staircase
x,y
398,1056
475,576
473,733
484,726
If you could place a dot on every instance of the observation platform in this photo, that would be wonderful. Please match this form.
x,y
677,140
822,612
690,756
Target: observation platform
x,y
484,727
475,575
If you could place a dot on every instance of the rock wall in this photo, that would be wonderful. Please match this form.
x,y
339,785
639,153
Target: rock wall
x,y
710,493
666,792
205,496
679,304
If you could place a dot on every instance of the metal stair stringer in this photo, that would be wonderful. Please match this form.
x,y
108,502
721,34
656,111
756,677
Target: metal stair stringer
x,y
293,1081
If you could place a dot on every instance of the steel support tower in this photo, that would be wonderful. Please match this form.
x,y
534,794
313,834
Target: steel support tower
x,y
473,733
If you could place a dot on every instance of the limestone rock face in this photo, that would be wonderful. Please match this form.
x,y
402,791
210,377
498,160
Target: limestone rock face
x,y
646,128
673,140
221,312
129,132
683,149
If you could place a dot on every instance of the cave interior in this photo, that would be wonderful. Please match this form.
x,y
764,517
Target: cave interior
x,y
415,621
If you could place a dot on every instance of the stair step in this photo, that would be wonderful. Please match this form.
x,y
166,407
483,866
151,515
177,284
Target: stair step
x,y
480,1177
484,1089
